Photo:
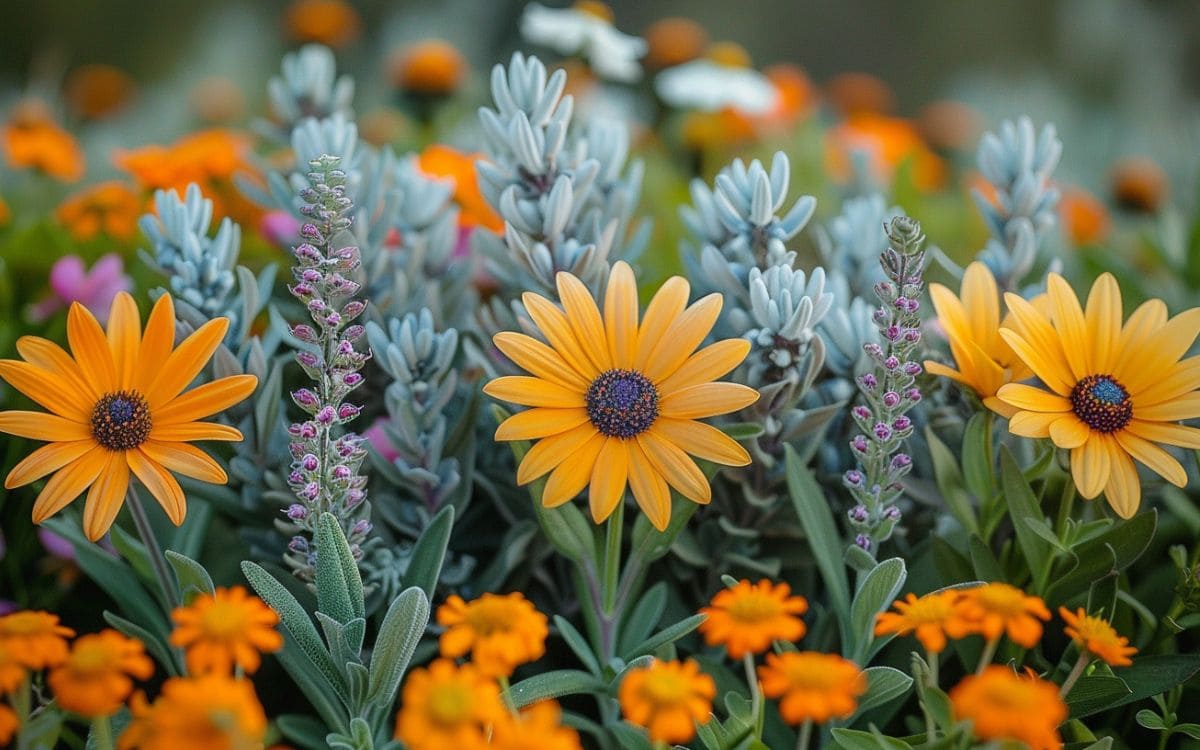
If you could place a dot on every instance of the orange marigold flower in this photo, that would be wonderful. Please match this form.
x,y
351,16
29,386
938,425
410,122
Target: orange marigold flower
x,y
333,23
12,670
5,213
197,713
747,618
1002,705
797,96
98,90
1096,636
888,142
41,144
998,608
539,727
860,93
1085,219
473,209
34,638
501,631
812,686
226,628
932,617
432,67
9,724
448,706
947,124
673,41
668,698
111,208
1139,184
95,678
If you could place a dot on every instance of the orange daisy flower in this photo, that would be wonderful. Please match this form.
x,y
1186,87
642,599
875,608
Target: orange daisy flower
x,y
9,724
812,686
12,670
96,679
1004,706
932,618
538,727
501,631
432,67
226,628
1085,219
111,208
119,410
998,608
42,145
448,706
668,698
197,713
34,639
747,618
333,23
1097,637
473,209
97,90
889,141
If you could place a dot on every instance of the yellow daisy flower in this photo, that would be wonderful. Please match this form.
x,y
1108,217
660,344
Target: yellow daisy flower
x,y
1114,391
615,402
118,409
972,325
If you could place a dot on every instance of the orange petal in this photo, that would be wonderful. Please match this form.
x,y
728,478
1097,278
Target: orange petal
x,y
90,349
160,482
676,467
706,365
649,488
205,400
570,477
549,452
69,483
157,342
621,315
553,324
539,423
44,460
702,440
1070,325
50,356
609,476
527,391
584,318
188,431
707,400
1090,465
185,459
540,360
186,362
663,309
682,337
37,425
106,495
47,389
124,337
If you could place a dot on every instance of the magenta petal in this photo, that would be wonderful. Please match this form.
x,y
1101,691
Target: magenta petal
x,y
68,277
379,440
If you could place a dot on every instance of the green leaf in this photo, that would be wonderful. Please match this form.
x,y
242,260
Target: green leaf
x,y
978,458
192,576
663,637
950,482
116,725
189,537
884,684
879,589
1096,692
555,684
1149,719
399,634
1151,675
303,730
1042,529
1191,730
1109,552
987,567
648,543
743,430
817,520
158,648
339,586
429,552
42,731
644,616
577,643
853,739
1023,505
630,737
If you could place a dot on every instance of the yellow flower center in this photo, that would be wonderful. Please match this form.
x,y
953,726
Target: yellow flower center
x,y
754,608
595,10
450,703
223,620
665,688
1002,599
729,54
809,675
931,608
488,616
92,658
121,420
1093,629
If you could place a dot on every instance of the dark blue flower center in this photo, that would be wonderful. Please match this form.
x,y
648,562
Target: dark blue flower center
x,y
121,420
622,403
1102,403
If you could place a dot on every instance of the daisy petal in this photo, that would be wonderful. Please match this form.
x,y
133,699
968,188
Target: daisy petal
x,y
1103,321
160,482
682,337
1144,363
1090,465
1069,432
69,483
584,318
1163,432
570,477
702,440
1147,318
50,356
106,496
1183,377
124,337
37,425
981,296
1028,398
667,304
45,460
1186,406
553,324
1124,491
609,476
539,423
527,391
187,431
621,315
707,400
532,355
1032,424
549,452
186,362
649,488
1035,341
1157,459
205,400
1069,322
90,349
185,459
706,365
157,342
47,389
676,467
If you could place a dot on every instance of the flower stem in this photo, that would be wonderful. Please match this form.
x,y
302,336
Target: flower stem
x,y
930,724
612,558
989,650
752,681
506,694
102,733
805,735
154,553
1076,672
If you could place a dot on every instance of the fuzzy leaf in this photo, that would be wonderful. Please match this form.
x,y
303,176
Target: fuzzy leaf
x,y
399,634
663,637
339,586
879,589
577,643
555,684
1023,505
192,576
817,520
429,552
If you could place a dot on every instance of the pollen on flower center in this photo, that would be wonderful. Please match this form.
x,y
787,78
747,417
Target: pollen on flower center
x,y
450,704
622,403
121,420
1102,403
754,608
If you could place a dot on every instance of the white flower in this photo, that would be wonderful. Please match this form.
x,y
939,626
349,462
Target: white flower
x,y
709,86
572,31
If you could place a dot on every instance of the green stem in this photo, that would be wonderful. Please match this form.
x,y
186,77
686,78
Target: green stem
x,y
612,558
752,682
506,694
162,572
22,703
930,724
989,650
1076,672
805,735
1064,508
102,733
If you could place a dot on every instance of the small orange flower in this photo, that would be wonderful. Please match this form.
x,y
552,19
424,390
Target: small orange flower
x,y
932,617
473,209
1096,636
812,686
797,96
947,124
1085,219
701,131
539,727
5,213
501,632
34,638
448,706
95,679
226,628
747,618
1003,706
433,67
994,609
673,41
197,713
860,93
9,724
96,90
217,100
111,208
888,142
1139,184
42,145
12,670
668,698
333,23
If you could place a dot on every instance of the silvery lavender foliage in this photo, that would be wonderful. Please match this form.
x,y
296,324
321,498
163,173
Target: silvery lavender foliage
x,y
1019,164
851,243
565,204
325,473
308,86
889,390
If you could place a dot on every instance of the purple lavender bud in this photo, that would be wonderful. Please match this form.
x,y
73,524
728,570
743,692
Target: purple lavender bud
x,y
891,363
861,412
348,411
354,498
913,305
859,443
326,415
345,449
305,398
868,381
294,429
859,514
307,252
353,309
912,335
912,368
853,477
310,462
345,347
311,275
883,289
913,394
882,431
902,423
353,333
304,333
308,430
341,472
298,545
316,306
297,512
311,491
356,552
307,359
296,449
901,303
892,513
361,527
302,290
352,379
348,253
863,541
295,478
333,319
891,399
880,316
310,233
892,333
873,349
901,460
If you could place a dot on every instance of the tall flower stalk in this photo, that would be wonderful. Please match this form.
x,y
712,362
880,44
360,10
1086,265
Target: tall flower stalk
x,y
889,389
325,474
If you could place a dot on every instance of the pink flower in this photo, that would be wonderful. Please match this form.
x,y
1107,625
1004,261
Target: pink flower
x,y
377,436
70,281
280,228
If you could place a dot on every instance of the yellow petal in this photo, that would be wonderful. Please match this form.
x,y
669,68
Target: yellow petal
x,y
944,371
50,356
37,425
1124,491
1068,432
1157,459
621,315
185,459
707,400
708,364
549,452
106,496
1068,321
584,317
1147,318
186,362
981,299
570,477
1104,321
532,355
951,313
682,337
90,349
47,389
539,423
162,485
1162,432
1032,424
44,460
676,467
1090,466
702,440
1145,362
1185,406
124,337
69,483
205,400
157,342
527,391
649,488
609,476
1046,364
1181,378
1028,398
666,305
553,324
187,431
